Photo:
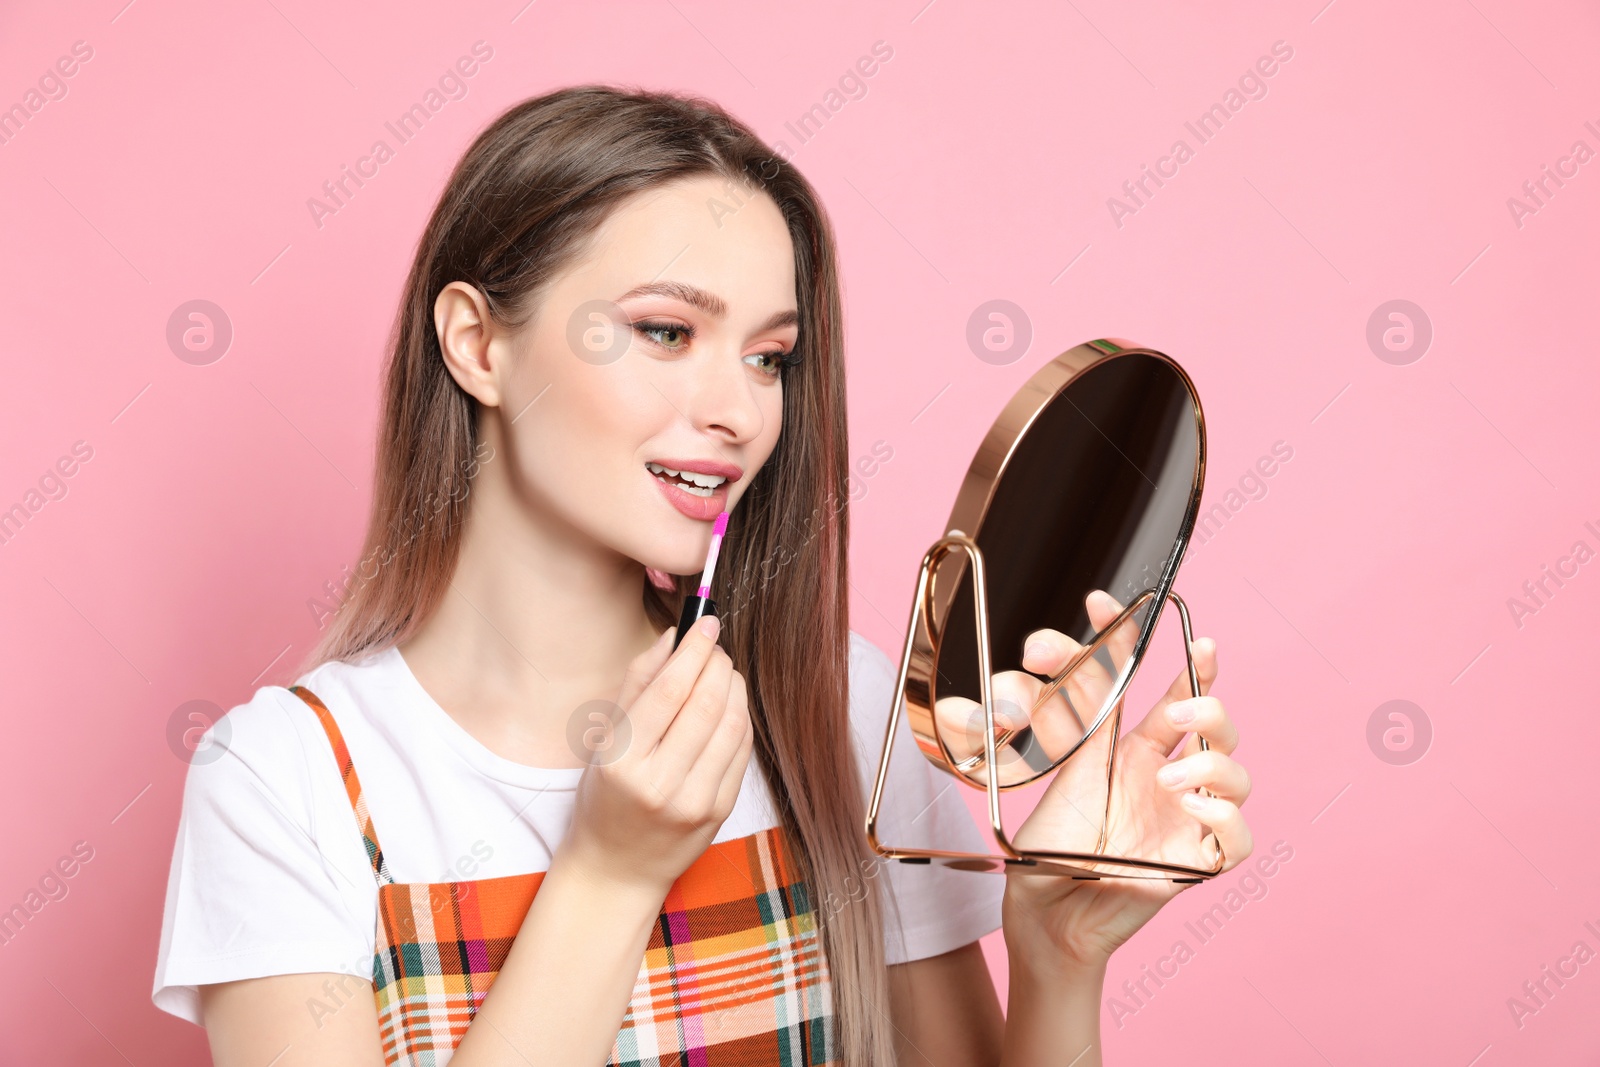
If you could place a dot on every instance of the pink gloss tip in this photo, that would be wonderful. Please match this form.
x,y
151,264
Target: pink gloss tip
x,y
722,525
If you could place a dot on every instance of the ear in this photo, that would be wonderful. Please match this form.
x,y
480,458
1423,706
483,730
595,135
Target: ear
x,y
473,349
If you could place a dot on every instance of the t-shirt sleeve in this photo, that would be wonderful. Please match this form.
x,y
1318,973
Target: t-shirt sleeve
x,y
266,876
939,908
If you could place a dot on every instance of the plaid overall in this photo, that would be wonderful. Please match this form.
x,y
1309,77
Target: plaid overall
x,y
733,976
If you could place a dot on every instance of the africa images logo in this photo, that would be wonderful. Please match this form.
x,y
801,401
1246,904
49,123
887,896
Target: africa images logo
x,y
1252,85
451,85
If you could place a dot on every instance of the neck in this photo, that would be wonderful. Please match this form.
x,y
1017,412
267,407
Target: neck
x,y
539,619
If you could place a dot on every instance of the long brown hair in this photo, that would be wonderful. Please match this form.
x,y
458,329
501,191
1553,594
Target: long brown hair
x,y
538,181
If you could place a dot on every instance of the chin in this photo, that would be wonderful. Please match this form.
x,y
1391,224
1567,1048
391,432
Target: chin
x,y
672,543
687,557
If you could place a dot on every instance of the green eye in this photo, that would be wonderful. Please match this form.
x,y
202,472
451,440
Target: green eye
x,y
777,361
673,337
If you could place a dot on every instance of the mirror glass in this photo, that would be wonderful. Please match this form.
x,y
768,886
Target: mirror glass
x,y
1095,494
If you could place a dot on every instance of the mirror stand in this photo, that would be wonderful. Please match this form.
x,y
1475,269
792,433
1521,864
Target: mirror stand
x,y
919,642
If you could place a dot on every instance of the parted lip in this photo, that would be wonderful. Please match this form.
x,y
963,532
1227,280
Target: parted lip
x,y
703,466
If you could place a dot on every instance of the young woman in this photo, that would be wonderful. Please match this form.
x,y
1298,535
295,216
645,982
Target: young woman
x,y
622,319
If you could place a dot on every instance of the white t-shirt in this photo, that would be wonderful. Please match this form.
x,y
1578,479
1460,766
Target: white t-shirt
x,y
270,876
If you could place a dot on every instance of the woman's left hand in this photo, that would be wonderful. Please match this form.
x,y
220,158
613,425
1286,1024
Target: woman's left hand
x,y
1080,923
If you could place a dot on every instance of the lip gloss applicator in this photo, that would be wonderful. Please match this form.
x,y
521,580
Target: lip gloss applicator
x,y
701,603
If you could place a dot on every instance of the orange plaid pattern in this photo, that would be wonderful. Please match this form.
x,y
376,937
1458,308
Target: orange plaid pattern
x,y
733,976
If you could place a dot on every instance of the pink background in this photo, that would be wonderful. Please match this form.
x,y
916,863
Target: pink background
x,y
1378,566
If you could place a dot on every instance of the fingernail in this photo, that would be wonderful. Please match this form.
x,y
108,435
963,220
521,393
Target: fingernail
x,y
1036,651
1170,775
1180,712
1193,801
708,625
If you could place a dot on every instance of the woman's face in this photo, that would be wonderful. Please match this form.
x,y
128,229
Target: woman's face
x,y
658,351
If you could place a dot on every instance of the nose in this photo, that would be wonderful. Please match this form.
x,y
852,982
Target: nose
x,y
721,400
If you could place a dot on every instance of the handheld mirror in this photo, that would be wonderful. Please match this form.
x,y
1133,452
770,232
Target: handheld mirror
x,y
1089,479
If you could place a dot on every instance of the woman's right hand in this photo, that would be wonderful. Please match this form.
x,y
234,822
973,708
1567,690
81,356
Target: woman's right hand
x,y
645,814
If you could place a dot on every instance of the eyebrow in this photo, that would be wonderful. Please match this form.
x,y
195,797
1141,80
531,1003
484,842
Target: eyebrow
x,y
708,302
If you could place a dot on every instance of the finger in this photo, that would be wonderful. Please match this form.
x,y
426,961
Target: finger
x,y
704,783
1160,728
1214,770
1216,726
1048,651
1074,706
691,729
711,760
1058,721
1226,821
1210,721
960,719
644,666
653,710
1103,608
733,776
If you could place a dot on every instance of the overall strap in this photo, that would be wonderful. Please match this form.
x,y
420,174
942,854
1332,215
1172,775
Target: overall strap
x,y
352,783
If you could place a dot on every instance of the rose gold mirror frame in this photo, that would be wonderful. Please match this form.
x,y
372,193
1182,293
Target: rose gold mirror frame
x,y
914,690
